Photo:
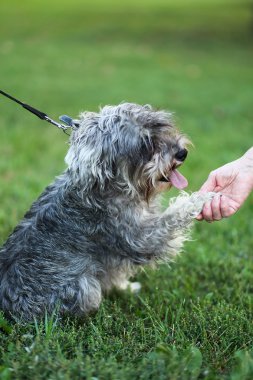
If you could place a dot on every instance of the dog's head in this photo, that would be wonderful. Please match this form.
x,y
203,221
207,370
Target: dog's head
x,y
129,148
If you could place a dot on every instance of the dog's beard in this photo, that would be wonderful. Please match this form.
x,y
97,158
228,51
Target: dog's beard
x,y
147,185
160,176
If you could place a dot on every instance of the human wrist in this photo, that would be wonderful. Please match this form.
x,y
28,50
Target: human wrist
x,y
247,160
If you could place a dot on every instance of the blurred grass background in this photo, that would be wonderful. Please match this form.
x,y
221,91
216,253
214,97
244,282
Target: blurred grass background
x,y
193,57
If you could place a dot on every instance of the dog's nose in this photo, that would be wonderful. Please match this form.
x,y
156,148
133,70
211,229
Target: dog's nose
x,y
181,155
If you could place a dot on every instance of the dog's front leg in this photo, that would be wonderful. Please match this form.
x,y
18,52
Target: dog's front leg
x,y
163,236
184,208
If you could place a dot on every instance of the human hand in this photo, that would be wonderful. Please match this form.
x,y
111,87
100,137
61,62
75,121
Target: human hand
x,y
233,182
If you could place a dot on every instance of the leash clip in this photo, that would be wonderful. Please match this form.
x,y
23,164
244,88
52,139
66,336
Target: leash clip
x,y
70,123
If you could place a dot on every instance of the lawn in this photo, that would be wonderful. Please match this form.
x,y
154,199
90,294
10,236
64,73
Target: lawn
x,y
192,320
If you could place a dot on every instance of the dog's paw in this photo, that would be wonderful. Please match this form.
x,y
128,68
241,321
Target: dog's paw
x,y
196,202
188,206
134,287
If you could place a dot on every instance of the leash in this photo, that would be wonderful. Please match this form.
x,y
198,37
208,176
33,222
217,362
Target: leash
x,y
66,119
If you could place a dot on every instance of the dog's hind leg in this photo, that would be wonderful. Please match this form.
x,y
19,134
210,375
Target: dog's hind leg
x,y
134,287
89,295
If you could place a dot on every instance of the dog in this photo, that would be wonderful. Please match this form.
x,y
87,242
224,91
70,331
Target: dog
x,y
101,219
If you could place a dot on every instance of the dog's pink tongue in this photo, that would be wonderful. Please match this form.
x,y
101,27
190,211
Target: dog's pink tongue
x,y
178,180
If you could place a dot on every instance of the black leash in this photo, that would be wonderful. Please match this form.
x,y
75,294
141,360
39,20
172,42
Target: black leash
x,y
66,119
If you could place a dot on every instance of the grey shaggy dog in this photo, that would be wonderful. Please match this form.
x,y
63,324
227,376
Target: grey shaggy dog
x,y
100,220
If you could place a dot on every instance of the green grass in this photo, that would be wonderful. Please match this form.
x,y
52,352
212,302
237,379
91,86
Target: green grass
x,y
194,319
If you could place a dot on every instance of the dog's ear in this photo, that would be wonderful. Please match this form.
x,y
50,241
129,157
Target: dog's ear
x,y
92,151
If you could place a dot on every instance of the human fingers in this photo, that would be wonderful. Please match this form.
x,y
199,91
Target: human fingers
x,y
226,208
207,212
199,217
216,207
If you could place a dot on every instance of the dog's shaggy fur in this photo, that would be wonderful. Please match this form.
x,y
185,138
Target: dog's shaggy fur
x,y
100,219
